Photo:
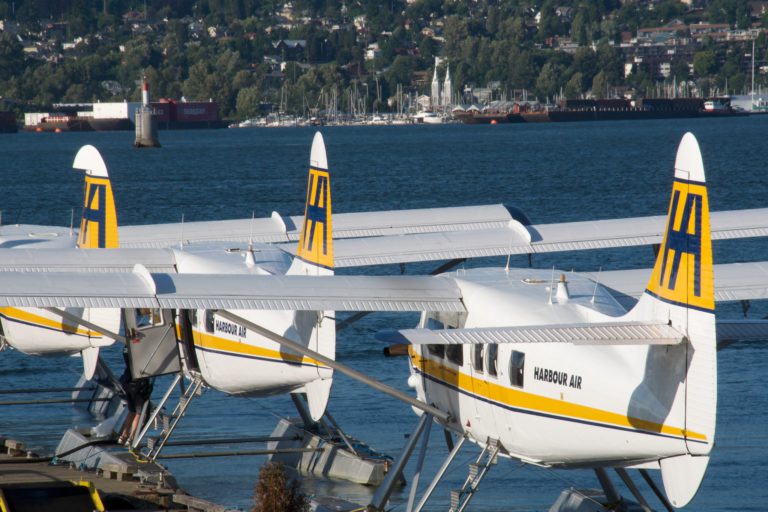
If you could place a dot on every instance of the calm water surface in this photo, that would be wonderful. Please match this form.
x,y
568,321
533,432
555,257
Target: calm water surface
x,y
555,172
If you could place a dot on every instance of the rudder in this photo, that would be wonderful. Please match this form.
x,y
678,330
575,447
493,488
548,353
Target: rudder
x,y
98,226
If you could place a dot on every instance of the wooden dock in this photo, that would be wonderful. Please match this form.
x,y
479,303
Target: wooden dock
x,y
121,487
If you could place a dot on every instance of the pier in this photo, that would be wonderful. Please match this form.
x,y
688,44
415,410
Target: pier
x,y
127,486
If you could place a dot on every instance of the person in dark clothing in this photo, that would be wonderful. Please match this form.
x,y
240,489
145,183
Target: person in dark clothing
x,y
137,392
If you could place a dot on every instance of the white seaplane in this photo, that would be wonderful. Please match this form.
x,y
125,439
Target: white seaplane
x,y
556,371
36,331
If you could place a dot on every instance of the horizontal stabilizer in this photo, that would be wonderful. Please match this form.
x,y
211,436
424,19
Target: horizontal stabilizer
x,y
735,281
345,225
140,289
586,334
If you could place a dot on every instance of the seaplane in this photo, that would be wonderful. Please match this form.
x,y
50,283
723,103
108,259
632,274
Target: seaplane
x,y
545,367
36,331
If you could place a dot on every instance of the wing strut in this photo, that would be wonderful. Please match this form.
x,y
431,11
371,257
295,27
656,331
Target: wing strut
x,y
346,370
85,323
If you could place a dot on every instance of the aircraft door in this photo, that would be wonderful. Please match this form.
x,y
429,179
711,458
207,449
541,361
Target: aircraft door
x,y
151,341
187,319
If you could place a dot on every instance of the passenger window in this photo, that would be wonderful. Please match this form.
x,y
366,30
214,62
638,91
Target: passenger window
x,y
437,350
455,353
477,358
209,320
493,354
517,368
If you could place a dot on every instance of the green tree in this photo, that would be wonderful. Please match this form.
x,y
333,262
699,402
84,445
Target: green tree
x,y
600,85
548,82
248,100
574,88
11,56
704,63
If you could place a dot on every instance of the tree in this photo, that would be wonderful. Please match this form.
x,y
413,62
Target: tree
x,y
275,493
455,32
600,85
574,87
248,102
11,56
580,29
548,82
704,63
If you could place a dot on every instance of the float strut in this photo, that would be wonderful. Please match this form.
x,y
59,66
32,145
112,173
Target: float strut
x,y
663,499
633,489
605,482
419,466
395,472
440,473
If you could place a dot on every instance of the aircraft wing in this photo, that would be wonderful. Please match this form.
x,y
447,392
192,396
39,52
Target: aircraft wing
x,y
516,238
616,333
86,260
345,225
140,289
733,281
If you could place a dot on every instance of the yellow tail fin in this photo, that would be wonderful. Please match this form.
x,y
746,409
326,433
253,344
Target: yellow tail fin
x,y
682,274
98,227
316,239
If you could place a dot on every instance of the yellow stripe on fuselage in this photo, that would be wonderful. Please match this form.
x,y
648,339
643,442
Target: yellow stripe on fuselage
x,y
27,317
523,400
237,348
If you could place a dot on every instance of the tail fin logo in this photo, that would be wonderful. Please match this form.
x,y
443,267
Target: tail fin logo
x,y
98,227
683,271
316,242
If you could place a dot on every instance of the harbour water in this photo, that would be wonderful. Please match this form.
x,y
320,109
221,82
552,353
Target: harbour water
x,y
553,172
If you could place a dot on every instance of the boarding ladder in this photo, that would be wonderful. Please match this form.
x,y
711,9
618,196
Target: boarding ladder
x,y
477,470
168,422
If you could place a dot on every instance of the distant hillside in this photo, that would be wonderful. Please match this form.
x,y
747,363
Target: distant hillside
x,y
307,56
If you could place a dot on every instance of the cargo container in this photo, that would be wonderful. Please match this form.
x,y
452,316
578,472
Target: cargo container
x,y
124,110
197,112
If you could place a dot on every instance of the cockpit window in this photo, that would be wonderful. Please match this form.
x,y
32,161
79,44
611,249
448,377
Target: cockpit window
x,y
437,350
455,354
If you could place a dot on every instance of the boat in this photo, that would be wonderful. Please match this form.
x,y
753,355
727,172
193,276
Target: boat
x,y
428,118
615,109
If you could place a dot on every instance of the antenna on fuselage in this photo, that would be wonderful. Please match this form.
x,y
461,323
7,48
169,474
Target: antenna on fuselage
x,y
597,283
551,284
249,259
181,239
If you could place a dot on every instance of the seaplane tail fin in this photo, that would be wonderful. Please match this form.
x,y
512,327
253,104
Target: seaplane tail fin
x,y
680,292
314,255
98,227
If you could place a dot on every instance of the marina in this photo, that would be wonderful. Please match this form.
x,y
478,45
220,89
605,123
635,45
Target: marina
x,y
552,172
